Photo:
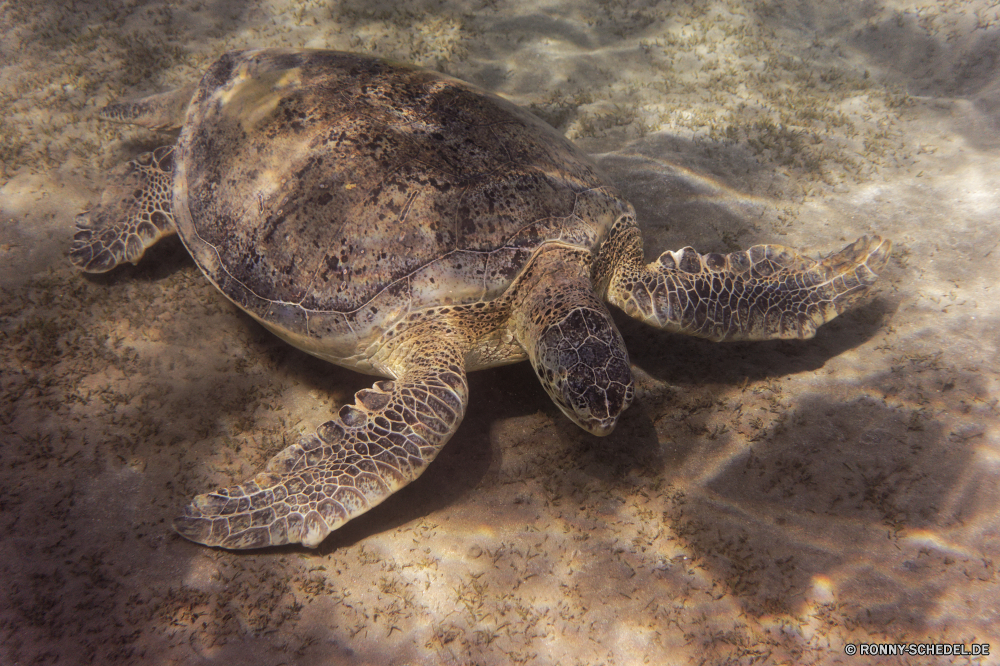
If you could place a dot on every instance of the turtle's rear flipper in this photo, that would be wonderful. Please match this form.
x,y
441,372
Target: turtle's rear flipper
x,y
133,214
164,111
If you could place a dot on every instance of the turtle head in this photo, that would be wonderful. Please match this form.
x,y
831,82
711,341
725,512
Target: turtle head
x,y
582,363
571,340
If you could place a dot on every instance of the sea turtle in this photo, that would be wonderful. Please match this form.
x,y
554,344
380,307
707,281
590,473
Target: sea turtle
x,y
406,224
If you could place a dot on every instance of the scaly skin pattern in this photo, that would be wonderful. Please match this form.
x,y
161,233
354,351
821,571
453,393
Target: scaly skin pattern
x,y
763,293
373,448
571,340
165,111
134,213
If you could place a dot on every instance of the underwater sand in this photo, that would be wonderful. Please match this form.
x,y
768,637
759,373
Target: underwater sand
x,y
759,503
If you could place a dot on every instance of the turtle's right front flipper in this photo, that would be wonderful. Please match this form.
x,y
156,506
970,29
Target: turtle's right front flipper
x,y
134,213
376,446
763,293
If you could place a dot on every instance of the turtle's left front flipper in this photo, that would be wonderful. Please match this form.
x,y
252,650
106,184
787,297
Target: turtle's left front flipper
x,y
766,292
135,212
373,448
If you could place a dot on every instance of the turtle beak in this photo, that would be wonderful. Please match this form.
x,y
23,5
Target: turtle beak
x,y
599,427
596,408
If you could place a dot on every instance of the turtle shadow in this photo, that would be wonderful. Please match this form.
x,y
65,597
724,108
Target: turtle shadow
x,y
683,360
688,375
835,494
825,499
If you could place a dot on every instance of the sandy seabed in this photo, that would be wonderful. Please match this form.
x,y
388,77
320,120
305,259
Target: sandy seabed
x,y
759,503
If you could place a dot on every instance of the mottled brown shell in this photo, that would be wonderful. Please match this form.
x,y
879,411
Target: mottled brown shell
x,y
329,194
